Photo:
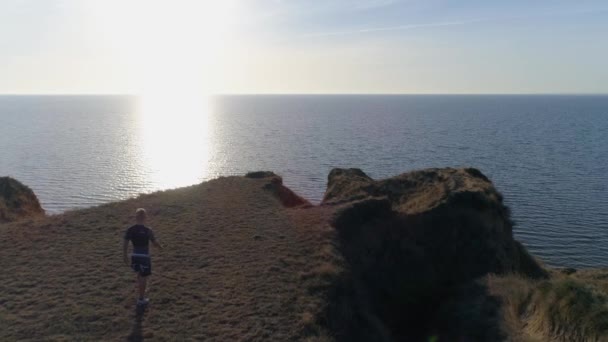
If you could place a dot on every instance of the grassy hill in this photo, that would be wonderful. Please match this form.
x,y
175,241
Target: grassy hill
x,y
424,256
237,265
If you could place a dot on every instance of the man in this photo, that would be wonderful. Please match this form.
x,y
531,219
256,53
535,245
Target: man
x,y
140,236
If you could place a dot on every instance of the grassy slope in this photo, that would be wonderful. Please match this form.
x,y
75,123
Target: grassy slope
x,y
565,307
236,266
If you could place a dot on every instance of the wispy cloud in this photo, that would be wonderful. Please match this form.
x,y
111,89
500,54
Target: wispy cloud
x,y
396,28
368,5
452,23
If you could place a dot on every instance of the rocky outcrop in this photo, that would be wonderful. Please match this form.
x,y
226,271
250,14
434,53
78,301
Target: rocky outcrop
x,y
345,185
17,201
411,243
275,186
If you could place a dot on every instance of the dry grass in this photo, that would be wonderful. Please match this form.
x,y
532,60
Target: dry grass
x,y
412,192
241,266
231,270
561,308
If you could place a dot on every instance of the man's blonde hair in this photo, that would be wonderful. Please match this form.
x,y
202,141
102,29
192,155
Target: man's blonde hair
x,y
140,213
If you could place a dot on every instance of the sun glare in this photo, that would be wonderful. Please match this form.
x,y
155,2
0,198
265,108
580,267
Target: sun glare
x,y
172,51
175,139
168,46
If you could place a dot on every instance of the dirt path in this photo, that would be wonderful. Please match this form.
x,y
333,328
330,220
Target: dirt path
x,y
237,267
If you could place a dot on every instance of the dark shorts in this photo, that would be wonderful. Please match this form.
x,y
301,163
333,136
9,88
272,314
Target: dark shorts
x,y
141,265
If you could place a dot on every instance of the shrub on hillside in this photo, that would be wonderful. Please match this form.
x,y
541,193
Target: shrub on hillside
x,y
17,201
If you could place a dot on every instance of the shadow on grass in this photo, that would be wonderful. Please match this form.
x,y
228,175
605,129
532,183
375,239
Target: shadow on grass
x,y
137,329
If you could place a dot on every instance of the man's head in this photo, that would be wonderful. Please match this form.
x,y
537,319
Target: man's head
x,y
140,216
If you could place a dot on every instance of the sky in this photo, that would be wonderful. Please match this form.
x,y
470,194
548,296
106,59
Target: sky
x,y
303,46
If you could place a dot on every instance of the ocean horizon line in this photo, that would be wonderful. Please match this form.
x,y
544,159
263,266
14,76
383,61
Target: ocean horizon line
x,y
316,94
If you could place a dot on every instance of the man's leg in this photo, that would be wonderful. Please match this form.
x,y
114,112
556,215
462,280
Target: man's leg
x,y
142,282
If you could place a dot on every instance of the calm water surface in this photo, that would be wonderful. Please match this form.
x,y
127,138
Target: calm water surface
x,y
547,154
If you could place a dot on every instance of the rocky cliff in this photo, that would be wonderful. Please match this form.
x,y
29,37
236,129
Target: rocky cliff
x,y
414,243
17,201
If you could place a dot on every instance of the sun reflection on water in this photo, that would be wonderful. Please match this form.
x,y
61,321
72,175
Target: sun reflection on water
x,y
175,139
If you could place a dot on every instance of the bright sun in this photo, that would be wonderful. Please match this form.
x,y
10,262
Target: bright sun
x,y
172,51
169,47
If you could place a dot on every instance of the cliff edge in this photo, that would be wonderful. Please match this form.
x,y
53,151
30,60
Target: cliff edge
x,y
452,218
427,255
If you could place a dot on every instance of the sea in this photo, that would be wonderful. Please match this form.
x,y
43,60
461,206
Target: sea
x,y
547,154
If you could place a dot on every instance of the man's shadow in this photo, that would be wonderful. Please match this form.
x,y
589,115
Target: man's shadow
x,y
137,329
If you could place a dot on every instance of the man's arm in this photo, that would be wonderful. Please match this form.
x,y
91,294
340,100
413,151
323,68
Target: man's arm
x,y
125,246
153,240
157,245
